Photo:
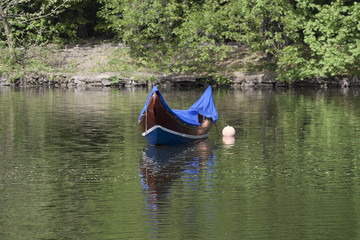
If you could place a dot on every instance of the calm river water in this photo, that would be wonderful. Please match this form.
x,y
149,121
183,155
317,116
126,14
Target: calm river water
x,y
74,166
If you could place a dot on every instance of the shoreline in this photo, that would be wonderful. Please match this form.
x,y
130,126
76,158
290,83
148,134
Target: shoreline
x,y
239,80
110,65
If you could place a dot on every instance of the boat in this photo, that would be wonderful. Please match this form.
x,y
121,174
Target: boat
x,y
162,125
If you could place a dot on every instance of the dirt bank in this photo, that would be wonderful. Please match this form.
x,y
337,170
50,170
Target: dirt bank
x,y
110,65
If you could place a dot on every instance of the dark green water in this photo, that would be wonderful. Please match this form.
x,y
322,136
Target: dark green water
x,y
74,166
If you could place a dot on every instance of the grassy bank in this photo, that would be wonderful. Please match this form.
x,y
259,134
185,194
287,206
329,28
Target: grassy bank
x,y
115,58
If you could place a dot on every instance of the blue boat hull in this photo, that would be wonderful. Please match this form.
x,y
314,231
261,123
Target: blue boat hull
x,y
159,135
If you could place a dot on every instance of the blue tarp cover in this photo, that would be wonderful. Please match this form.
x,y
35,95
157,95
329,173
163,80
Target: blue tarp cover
x,y
205,106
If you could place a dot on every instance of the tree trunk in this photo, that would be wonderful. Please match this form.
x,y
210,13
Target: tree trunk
x,y
7,29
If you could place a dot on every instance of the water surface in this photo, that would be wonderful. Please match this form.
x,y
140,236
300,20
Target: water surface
x,y
74,166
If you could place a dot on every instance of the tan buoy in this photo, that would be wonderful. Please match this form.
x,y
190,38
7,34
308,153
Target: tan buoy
x,y
228,131
228,136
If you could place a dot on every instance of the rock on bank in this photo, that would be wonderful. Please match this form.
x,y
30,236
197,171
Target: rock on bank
x,y
238,80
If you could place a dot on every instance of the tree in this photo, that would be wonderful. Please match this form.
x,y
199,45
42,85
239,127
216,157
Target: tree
x,y
20,14
6,26
174,32
142,23
330,45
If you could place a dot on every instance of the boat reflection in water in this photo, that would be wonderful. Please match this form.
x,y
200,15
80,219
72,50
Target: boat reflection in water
x,y
164,168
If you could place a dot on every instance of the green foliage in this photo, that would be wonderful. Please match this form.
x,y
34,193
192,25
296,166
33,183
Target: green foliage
x,y
221,79
142,23
306,38
202,31
178,34
11,65
114,79
40,22
32,21
37,60
331,44
266,25
334,37
292,64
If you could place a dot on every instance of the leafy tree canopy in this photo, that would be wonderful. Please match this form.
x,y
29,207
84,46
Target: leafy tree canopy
x,y
306,38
